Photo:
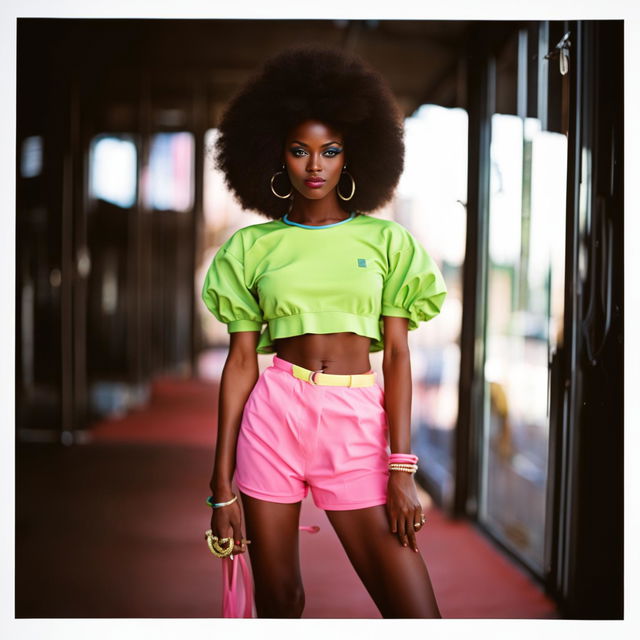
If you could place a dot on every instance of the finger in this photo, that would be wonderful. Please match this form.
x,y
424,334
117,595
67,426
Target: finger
x,y
393,521
418,519
402,531
222,530
411,534
239,545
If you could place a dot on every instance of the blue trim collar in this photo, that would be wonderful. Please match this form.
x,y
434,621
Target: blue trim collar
x,y
286,220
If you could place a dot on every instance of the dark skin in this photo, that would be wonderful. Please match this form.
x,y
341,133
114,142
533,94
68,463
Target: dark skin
x,y
379,541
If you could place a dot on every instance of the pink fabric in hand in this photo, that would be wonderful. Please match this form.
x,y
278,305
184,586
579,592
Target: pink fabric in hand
x,y
237,598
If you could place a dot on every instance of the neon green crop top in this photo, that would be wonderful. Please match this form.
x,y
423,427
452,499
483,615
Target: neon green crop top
x,y
328,279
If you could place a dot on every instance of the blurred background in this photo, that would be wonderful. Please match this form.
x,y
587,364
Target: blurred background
x,y
513,183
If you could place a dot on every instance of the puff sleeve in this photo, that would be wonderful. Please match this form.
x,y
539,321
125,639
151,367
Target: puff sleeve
x,y
414,287
227,296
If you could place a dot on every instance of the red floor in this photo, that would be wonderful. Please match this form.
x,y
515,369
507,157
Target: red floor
x,y
125,516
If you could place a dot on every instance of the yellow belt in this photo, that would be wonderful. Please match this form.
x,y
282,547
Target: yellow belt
x,y
332,379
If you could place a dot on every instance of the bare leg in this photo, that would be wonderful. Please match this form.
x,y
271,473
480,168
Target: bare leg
x,y
395,576
273,530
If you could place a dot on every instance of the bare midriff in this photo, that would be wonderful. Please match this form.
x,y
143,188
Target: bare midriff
x,y
337,353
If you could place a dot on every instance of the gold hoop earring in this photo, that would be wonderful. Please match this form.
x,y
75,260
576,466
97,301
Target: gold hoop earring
x,y
275,193
353,186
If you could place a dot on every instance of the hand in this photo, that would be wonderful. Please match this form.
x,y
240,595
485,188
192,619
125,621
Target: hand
x,y
403,508
226,522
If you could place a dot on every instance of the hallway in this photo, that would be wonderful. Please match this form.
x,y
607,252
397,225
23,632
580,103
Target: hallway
x,y
113,528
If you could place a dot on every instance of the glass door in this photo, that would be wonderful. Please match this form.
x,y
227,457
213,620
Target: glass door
x,y
524,308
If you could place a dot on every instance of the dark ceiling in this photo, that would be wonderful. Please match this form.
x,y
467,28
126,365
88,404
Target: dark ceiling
x,y
422,60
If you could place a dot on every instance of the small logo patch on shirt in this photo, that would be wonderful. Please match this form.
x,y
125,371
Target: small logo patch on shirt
x,y
362,262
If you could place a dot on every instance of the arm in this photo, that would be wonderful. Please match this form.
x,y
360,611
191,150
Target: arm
x,y
403,506
239,376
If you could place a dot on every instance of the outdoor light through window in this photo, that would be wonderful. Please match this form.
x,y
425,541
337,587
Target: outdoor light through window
x,y
113,170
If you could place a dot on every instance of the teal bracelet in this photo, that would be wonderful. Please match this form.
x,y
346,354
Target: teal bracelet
x,y
217,505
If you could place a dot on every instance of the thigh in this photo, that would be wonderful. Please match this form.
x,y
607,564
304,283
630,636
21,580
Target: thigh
x,y
274,551
396,577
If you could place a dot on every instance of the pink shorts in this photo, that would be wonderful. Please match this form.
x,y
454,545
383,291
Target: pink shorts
x,y
295,435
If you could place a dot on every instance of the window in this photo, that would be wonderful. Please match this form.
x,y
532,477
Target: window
x,y
170,173
31,157
113,169
431,199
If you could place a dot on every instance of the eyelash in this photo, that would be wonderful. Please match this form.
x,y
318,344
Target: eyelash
x,y
331,150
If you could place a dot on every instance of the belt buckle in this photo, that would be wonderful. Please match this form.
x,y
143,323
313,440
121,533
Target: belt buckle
x,y
313,373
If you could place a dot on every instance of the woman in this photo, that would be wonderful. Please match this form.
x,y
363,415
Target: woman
x,y
315,143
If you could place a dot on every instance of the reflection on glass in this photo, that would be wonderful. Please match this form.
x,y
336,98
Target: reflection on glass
x,y
112,169
170,174
524,313
430,203
31,157
110,290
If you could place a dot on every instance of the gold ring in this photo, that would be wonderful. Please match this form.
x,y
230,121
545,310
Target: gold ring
x,y
220,547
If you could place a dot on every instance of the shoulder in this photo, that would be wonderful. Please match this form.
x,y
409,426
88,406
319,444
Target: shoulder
x,y
243,239
388,226
391,233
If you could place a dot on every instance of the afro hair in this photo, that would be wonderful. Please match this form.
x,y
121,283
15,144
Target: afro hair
x,y
315,83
